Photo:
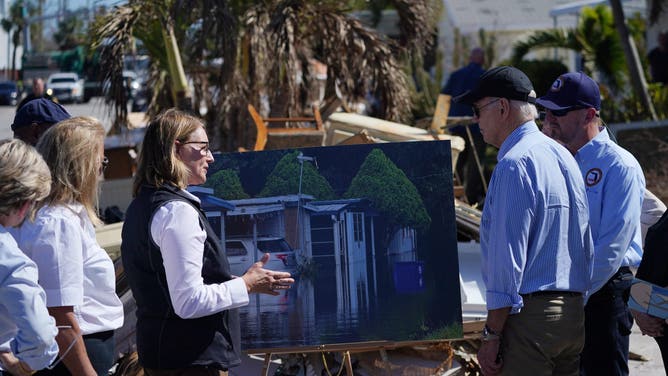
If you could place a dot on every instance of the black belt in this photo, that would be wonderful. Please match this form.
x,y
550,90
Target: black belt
x,y
551,293
100,335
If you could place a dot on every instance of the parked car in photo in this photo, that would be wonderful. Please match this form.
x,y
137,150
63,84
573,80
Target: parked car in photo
x,y
239,252
9,93
67,87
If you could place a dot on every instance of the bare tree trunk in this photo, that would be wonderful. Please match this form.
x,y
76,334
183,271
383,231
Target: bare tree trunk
x,y
180,91
632,61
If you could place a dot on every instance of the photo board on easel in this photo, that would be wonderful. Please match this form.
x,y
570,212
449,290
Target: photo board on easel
x,y
368,231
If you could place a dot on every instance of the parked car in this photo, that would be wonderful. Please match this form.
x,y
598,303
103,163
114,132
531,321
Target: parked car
x,y
67,87
240,253
9,93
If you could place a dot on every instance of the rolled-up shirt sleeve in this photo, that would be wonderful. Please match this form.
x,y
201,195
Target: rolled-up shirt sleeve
x,y
23,306
505,235
175,229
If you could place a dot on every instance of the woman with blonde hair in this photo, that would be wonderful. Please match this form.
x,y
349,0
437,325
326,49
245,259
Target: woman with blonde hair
x,y
26,329
187,322
75,272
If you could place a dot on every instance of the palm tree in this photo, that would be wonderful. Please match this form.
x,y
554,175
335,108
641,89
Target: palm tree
x,y
595,38
239,52
16,23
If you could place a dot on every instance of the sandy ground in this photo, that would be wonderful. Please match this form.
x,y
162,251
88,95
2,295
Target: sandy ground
x,y
647,347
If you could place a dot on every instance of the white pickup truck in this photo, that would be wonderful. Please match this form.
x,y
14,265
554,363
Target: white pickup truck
x,y
67,87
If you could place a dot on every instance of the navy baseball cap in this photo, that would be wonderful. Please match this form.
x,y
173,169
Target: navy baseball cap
x,y
40,111
571,91
503,82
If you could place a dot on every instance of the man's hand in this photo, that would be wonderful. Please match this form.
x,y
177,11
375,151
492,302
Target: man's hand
x,y
489,359
265,281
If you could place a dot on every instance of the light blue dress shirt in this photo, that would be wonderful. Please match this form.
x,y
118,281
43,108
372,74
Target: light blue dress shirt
x,y
615,189
534,233
25,325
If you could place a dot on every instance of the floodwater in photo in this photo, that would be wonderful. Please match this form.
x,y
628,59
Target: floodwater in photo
x,y
368,231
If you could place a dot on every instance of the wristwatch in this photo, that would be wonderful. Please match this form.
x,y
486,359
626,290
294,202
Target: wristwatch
x,y
490,335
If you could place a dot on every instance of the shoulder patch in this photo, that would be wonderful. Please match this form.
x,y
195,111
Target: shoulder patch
x,y
593,177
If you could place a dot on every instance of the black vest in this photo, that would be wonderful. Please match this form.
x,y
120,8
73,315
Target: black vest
x,y
164,340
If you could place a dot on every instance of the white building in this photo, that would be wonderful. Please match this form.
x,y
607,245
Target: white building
x,y
511,21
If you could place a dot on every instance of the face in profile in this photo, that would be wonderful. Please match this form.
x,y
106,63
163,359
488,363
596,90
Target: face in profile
x,y
195,154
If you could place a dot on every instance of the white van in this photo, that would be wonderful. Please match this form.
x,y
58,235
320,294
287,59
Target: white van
x,y
239,252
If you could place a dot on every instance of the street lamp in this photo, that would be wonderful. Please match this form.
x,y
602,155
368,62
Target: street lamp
x,y
301,158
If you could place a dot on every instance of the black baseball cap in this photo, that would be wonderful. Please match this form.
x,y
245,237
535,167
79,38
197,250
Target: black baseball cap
x,y
39,111
503,82
570,91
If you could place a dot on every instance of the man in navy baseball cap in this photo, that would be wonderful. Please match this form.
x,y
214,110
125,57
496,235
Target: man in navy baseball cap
x,y
572,91
35,117
615,189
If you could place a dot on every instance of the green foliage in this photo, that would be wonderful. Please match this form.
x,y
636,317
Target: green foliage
x,y
628,107
595,38
71,33
284,180
391,192
454,330
542,73
226,185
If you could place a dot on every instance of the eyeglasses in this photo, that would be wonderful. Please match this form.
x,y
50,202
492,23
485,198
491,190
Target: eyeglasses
x,y
204,150
476,110
104,164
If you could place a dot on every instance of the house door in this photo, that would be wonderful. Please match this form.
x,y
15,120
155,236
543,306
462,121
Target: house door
x,y
355,238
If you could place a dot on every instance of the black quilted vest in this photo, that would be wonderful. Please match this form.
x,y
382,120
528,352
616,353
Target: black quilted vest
x,y
164,340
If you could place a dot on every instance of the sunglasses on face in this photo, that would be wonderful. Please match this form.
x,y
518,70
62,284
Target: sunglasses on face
x,y
204,150
564,112
476,109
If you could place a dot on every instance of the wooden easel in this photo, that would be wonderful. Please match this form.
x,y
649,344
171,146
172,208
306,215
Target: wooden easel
x,y
344,349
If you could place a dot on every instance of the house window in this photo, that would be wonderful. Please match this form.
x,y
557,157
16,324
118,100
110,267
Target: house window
x,y
358,229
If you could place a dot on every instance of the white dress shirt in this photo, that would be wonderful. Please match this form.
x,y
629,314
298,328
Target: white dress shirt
x,y
176,231
73,269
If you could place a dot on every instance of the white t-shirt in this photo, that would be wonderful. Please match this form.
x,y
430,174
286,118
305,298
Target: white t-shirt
x,y
176,231
73,269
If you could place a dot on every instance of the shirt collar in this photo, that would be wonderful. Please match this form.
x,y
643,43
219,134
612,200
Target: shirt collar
x,y
515,137
191,196
601,138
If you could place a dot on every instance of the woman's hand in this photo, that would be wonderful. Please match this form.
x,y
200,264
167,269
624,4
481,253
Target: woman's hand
x,y
649,325
14,366
265,281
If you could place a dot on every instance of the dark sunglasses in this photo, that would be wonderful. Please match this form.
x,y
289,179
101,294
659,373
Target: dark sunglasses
x,y
565,111
476,110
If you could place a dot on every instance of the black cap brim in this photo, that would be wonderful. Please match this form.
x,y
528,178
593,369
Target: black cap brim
x,y
469,97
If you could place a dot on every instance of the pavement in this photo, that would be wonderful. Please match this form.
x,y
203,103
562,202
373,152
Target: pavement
x,y
646,347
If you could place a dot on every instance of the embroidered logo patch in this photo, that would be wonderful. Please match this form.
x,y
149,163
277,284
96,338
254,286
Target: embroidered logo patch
x,y
593,177
556,85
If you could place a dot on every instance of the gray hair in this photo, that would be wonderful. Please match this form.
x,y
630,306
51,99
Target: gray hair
x,y
24,176
527,111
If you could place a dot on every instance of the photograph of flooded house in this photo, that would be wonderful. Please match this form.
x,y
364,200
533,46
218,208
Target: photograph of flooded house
x,y
368,231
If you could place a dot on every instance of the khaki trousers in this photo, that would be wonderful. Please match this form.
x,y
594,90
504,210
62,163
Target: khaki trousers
x,y
545,338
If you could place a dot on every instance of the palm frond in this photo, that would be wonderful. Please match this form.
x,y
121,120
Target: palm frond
x,y
114,38
416,22
545,39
